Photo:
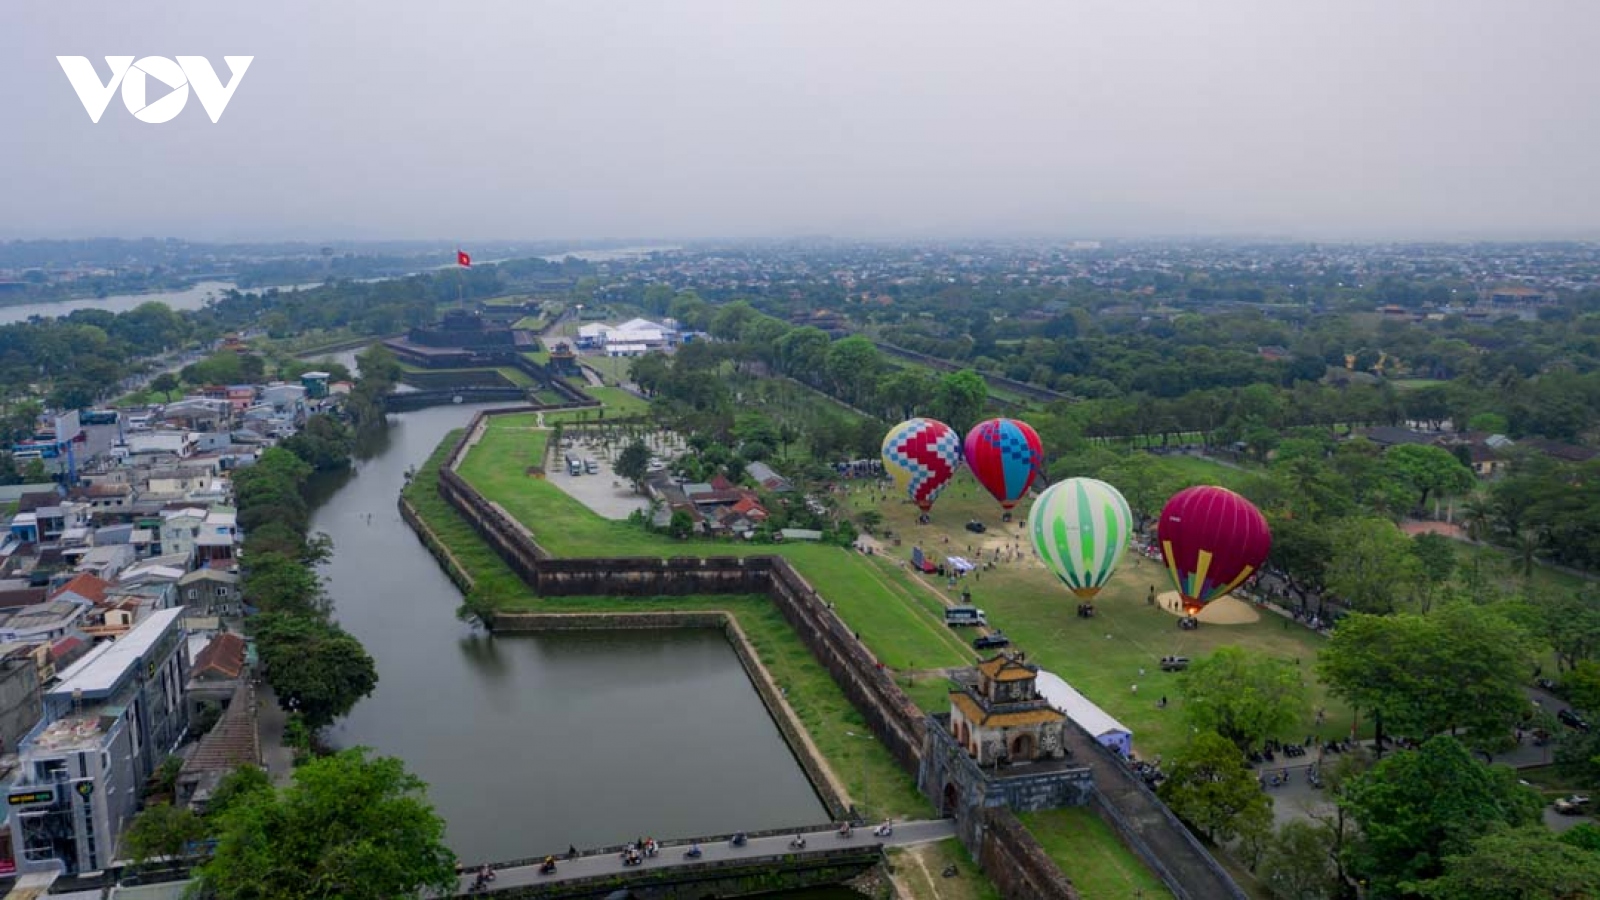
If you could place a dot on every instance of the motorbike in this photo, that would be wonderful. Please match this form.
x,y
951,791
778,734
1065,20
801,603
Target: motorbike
x,y
798,842
547,868
738,840
693,852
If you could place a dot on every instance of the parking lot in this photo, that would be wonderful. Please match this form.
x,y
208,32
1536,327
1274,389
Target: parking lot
x,y
605,492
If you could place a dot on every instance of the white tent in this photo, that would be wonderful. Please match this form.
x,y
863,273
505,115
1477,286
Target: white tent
x,y
1080,709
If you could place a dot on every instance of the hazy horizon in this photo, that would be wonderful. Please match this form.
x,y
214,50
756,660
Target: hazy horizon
x,y
693,120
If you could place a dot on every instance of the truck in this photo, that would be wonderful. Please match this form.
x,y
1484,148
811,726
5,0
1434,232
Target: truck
x,y
573,466
955,616
590,467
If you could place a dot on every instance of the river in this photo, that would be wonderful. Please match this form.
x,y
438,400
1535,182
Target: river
x,y
193,297
531,743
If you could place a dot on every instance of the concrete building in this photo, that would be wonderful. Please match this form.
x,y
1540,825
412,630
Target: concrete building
x,y
20,700
42,621
110,721
211,592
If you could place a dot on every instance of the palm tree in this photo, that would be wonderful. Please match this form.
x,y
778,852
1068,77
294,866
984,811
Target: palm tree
x,y
1478,514
1525,546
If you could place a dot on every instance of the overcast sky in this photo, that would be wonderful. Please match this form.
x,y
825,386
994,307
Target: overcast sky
x,y
767,118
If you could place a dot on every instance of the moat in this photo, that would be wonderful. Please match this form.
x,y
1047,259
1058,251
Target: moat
x,y
532,743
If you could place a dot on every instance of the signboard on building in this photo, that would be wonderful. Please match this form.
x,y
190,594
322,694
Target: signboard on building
x,y
28,798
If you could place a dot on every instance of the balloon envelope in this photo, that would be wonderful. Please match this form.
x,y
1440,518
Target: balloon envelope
x,y
1080,528
921,455
1212,540
1005,456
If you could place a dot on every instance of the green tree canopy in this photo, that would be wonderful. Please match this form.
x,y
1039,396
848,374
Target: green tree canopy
x,y
1418,807
1372,566
1209,785
349,827
1459,668
1431,471
1520,864
315,667
1247,698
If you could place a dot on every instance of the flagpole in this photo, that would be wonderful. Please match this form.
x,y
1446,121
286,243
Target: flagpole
x,y
461,302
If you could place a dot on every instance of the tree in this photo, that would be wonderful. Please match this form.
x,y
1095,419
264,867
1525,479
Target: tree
x,y
1429,470
277,583
315,667
852,366
162,831
1372,563
1570,621
164,384
1517,864
1297,865
1436,561
959,398
633,463
1300,553
1245,698
1460,668
681,525
349,827
1209,785
1420,806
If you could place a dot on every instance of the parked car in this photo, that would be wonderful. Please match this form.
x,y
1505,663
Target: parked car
x,y
977,527
1572,720
1576,805
991,641
1174,663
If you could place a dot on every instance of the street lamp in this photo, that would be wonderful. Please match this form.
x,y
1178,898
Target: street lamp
x,y
861,812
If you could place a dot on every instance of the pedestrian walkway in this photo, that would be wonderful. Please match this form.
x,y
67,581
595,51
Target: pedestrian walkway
x,y
270,720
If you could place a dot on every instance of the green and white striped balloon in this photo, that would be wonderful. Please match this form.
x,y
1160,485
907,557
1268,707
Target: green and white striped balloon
x,y
1080,528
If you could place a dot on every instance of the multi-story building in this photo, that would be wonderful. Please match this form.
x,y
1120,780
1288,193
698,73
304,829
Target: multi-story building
x,y
108,723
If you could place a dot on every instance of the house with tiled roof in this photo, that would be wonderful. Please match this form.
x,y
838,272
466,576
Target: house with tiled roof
x,y
218,670
231,743
86,588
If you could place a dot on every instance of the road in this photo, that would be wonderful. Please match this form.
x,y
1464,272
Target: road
x,y
608,863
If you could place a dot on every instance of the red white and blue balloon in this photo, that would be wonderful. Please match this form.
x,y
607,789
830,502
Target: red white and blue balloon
x,y
1005,455
922,455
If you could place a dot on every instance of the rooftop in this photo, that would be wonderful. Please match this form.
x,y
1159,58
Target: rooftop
x,y
99,672
72,731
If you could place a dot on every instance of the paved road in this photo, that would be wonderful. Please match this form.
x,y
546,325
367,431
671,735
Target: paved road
x,y
905,834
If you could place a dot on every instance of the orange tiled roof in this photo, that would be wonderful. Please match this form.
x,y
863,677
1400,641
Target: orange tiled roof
x,y
1004,668
974,713
224,656
89,587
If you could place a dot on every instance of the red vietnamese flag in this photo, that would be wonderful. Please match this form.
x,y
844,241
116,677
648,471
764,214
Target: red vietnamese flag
x,y
462,259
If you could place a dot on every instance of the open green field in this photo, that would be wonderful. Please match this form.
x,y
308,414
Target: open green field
x,y
1199,470
1411,384
618,402
1092,855
897,612
866,598
614,369
542,357
1101,657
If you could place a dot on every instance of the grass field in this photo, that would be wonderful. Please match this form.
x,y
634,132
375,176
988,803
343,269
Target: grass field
x,y
918,870
1094,858
869,600
1027,602
619,402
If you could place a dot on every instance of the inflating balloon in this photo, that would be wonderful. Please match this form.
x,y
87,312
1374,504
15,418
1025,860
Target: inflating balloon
x,y
1212,540
1080,528
1005,456
921,455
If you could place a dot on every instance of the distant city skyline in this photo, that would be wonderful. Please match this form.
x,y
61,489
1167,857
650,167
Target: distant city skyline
x,y
691,120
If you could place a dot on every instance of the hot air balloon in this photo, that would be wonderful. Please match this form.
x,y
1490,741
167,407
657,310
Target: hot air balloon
x,y
1080,528
1212,540
922,455
1005,456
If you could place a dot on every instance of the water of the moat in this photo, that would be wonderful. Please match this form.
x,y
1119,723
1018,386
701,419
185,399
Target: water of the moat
x,y
531,743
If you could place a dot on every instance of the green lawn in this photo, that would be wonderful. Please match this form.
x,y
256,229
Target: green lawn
x,y
919,870
869,773
1199,470
542,357
619,402
1092,855
866,598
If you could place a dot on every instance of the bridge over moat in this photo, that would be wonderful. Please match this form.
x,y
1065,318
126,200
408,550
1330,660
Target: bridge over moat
x,y
766,862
